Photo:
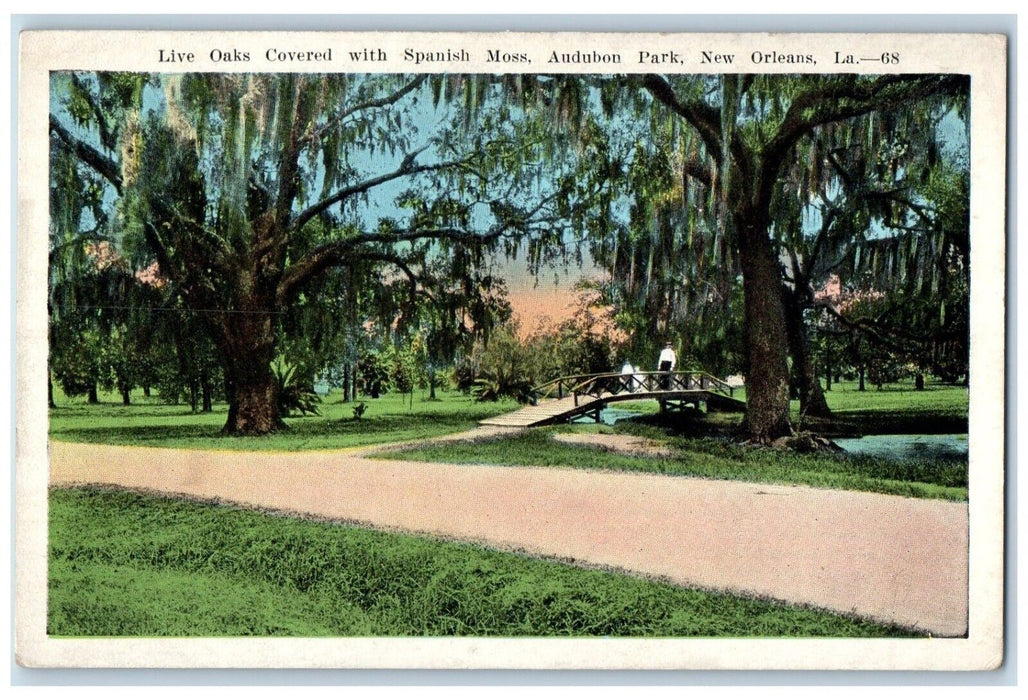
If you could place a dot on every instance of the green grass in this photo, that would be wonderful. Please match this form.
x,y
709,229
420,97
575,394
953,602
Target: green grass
x,y
895,409
710,458
125,564
391,418
899,409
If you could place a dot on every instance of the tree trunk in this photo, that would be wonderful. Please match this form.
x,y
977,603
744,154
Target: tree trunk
x,y
50,392
812,399
146,390
93,397
254,409
347,386
248,349
194,394
767,371
126,398
861,386
431,384
208,394
919,381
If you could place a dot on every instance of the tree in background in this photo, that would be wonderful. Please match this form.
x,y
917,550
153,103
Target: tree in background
x,y
750,127
247,189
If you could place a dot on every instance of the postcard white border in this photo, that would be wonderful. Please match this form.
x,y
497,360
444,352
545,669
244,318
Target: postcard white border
x,y
982,56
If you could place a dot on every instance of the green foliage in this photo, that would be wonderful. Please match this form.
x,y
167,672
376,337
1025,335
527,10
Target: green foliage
x,y
292,393
590,341
359,409
405,367
374,369
512,362
124,564
496,384
503,368
268,196
268,193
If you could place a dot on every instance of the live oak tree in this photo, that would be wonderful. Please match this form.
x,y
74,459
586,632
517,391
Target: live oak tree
x,y
750,127
246,190
905,289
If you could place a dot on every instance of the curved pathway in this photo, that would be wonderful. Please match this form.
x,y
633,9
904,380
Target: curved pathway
x,y
889,558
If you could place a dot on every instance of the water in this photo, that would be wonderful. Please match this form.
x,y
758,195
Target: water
x,y
608,416
908,446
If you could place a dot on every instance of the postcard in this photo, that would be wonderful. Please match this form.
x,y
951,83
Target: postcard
x,y
510,350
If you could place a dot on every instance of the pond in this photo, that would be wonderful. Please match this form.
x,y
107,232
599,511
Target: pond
x,y
950,447
608,416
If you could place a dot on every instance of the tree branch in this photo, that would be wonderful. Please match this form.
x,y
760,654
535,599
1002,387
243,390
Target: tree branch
x,y
371,104
702,117
697,171
849,98
399,262
884,333
337,253
407,168
103,165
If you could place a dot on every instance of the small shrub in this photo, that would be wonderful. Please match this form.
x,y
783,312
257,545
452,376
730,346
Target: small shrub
x,y
495,386
292,395
359,409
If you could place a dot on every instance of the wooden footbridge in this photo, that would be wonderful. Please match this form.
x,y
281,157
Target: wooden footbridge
x,y
566,398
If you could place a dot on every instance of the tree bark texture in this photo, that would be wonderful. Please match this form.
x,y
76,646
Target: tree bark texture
x,y
812,399
767,371
248,347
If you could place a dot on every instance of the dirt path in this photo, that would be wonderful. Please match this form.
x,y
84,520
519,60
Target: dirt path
x,y
889,558
624,444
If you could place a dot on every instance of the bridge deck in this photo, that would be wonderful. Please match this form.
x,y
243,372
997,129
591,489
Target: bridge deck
x,y
560,410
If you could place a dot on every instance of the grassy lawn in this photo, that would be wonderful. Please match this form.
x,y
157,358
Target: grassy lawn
x,y
124,564
391,418
394,418
708,458
898,409
701,446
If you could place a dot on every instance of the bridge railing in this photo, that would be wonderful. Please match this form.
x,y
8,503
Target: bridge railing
x,y
558,388
615,383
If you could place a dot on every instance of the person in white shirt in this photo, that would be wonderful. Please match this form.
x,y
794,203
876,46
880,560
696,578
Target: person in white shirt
x,y
667,360
666,363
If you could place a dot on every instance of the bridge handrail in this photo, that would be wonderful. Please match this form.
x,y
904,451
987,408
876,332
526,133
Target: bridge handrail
x,y
558,384
596,384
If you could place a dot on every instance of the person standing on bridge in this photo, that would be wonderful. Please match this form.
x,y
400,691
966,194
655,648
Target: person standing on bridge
x,y
666,363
